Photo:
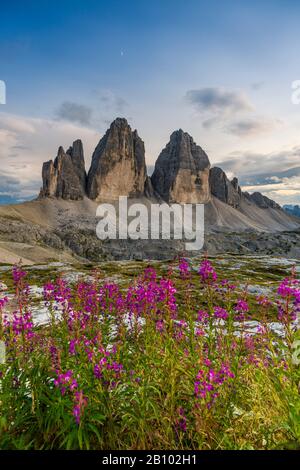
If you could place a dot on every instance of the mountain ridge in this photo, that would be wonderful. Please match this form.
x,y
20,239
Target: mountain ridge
x,y
61,222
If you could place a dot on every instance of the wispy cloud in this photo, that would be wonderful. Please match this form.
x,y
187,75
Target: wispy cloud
x,y
248,127
249,165
25,143
218,100
231,111
276,174
75,112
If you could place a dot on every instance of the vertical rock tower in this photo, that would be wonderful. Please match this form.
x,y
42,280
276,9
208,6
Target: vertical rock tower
x,y
224,189
118,165
181,171
65,177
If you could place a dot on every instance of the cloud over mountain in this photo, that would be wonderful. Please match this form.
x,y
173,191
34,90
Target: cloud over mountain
x,y
26,142
218,100
75,112
248,127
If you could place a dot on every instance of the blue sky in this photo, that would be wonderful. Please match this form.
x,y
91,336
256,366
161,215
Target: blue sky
x,y
222,71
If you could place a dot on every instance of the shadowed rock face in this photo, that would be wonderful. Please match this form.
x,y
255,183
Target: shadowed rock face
x,y
77,156
118,164
65,177
224,189
181,171
262,201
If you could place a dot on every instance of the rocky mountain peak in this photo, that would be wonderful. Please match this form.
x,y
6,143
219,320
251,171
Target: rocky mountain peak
x,y
261,201
60,152
65,177
181,171
224,189
118,165
77,157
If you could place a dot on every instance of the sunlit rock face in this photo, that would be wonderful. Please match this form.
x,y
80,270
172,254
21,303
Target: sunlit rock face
x,y
181,171
118,164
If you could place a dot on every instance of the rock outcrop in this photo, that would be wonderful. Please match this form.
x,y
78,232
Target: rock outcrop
x,y
224,189
261,201
77,156
65,177
181,171
118,164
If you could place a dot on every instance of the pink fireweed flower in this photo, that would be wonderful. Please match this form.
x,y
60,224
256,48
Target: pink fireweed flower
x,y
241,308
289,306
167,295
65,381
3,302
110,298
48,290
221,313
149,274
80,402
72,346
181,421
263,300
18,274
21,324
180,328
289,288
202,316
207,273
209,381
199,332
107,369
98,368
60,292
160,325
249,343
184,269
226,284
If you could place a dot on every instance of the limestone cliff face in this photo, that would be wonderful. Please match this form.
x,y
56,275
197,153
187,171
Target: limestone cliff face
x,y
118,164
77,157
181,171
231,193
65,177
224,189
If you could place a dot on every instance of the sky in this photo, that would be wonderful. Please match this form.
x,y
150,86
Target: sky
x,y
221,71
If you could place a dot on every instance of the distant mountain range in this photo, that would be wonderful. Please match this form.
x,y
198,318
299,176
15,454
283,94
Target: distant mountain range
x,y
292,210
182,172
6,199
